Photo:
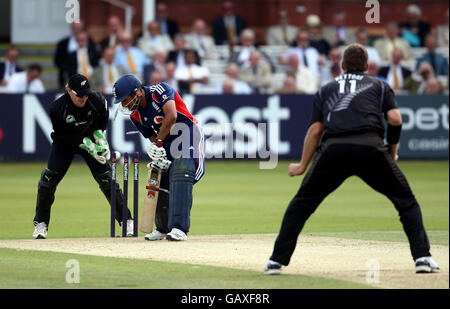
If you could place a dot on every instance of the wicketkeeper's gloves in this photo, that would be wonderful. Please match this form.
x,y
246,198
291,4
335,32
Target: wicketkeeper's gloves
x,y
100,140
94,150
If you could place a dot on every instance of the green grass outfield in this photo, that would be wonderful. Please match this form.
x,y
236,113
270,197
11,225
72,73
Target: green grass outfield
x,y
234,197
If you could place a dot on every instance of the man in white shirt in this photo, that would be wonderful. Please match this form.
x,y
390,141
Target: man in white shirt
x,y
308,56
391,40
26,82
191,77
305,81
154,40
238,86
199,40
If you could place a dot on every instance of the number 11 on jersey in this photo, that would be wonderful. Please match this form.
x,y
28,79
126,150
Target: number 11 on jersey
x,y
342,85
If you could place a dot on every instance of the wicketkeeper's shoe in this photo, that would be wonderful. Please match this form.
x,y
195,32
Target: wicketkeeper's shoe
x,y
40,231
130,228
272,268
176,235
426,265
155,235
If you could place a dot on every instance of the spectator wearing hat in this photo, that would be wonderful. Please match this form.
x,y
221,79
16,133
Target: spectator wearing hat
x,y
26,82
282,33
315,34
414,30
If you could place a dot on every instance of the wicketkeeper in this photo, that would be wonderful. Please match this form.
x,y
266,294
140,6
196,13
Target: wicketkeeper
x,y
79,119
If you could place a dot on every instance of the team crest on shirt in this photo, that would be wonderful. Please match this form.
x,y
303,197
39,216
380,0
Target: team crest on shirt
x,y
164,96
70,119
158,119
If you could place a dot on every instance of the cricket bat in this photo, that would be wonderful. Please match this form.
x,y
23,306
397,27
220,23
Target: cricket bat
x,y
150,201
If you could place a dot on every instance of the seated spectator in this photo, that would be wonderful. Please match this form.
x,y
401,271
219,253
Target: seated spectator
x,y
437,61
178,54
395,74
158,64
416,83
168,26
414,30
106,74
433,86
191,76
442,33
362,37
309,56
26,82
131,58
155,78
115,28
200,41
228,27
84,59
338,34
241,55
332,68
373,70
170,79
154,40
66,46
391,40
289,86
9,66
227,87
315,35
256,73
283,33
306,82
238,86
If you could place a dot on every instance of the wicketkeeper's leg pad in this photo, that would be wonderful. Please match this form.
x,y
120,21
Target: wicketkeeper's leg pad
x,y
46,194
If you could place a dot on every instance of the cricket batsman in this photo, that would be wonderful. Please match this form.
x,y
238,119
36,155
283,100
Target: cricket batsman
x,y
157,112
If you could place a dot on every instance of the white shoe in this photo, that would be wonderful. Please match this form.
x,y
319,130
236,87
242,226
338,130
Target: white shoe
x,y
40,231
155,235
426,265
130,228
176,235
272,268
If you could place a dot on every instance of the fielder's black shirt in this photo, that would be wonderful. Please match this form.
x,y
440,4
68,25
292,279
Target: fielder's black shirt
x,y
71,123
352,103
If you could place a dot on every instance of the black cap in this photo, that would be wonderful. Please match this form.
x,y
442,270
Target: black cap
x,y
79,85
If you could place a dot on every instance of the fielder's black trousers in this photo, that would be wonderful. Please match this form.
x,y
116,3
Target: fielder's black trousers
x,y
59,161
332,164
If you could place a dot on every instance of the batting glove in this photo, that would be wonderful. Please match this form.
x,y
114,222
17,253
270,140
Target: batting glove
x,y
155,151
162,165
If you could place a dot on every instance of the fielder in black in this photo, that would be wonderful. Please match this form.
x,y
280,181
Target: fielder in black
x,y
345,138
79,119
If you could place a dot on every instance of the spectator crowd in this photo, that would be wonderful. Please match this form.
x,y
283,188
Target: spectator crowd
x,y
309,55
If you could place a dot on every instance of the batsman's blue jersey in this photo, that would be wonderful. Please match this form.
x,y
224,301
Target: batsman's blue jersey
x,y
148,121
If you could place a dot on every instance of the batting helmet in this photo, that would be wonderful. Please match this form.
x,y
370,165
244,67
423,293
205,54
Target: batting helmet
x,y
124,86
